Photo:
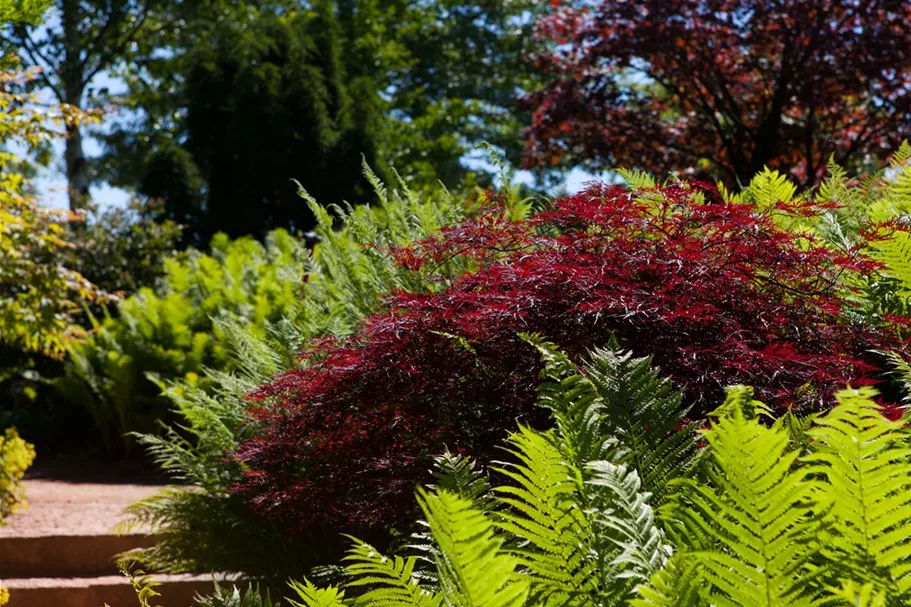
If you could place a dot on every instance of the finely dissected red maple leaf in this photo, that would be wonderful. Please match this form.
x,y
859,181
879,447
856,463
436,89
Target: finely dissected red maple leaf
x,y
717,294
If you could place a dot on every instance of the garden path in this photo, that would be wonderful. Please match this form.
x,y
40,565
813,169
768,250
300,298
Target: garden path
x,y
59,551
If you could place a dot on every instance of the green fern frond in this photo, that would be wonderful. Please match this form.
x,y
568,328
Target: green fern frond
x,y
726,194
676,585
379,188
835,186
233,597
761,513
644,412
581,542
311,596
797,427
473,568
860,596
575,404
388,581
637,180
902,155
617,407
866,461
143,584
545,516
890,190
895,254
622,508
770,187
460,475
898,190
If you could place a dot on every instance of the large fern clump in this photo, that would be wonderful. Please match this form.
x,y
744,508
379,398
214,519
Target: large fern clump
x,y
718,293
869,213
754,515
201,526
174,330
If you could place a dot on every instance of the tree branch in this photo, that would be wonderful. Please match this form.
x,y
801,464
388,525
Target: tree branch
x,y
37,58
104,59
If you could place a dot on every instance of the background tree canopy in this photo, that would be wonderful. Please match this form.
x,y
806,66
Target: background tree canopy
x,y
231,100
725,86
266,102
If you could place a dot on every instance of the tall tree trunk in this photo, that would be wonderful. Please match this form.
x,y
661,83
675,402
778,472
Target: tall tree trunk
x,y
76,169
77,174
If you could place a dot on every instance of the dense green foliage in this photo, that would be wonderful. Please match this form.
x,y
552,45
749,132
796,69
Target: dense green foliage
x,y
754,517
269,102
122,249
75,42
16,456
175,330
39,290
223,102
231,100
118,250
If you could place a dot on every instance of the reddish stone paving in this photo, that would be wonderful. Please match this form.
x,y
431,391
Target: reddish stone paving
x,y
73,508
61,550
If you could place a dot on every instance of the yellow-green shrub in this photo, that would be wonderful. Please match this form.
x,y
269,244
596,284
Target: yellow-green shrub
x,y
16,456
174,330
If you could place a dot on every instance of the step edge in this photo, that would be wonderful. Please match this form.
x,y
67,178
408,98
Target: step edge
x,y
116,580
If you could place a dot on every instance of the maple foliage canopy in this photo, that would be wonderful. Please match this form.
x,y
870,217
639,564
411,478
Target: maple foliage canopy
x,y
723,86
717,294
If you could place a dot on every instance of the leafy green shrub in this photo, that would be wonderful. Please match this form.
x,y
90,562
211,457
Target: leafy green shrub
x,y
753,516
39,292
173,331
118,250
123,249
204,527
16,456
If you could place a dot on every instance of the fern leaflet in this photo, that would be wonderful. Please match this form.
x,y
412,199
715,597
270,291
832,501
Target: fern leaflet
x,y
474,571
863,456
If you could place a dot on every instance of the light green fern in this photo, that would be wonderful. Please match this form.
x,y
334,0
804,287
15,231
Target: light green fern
x,y
868,465
555,535
311,596
760,511
615,400
387,581
895,254
857,595
637,180
473,568
586,531
768,188
675,585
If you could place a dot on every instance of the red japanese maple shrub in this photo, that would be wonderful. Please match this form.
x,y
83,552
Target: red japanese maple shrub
x,y
718,294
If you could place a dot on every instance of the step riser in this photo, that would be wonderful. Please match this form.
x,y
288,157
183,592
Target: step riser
x,y
115,595
65,556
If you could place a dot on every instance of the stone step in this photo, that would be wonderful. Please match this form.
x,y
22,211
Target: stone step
x,y
113,590
50,556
